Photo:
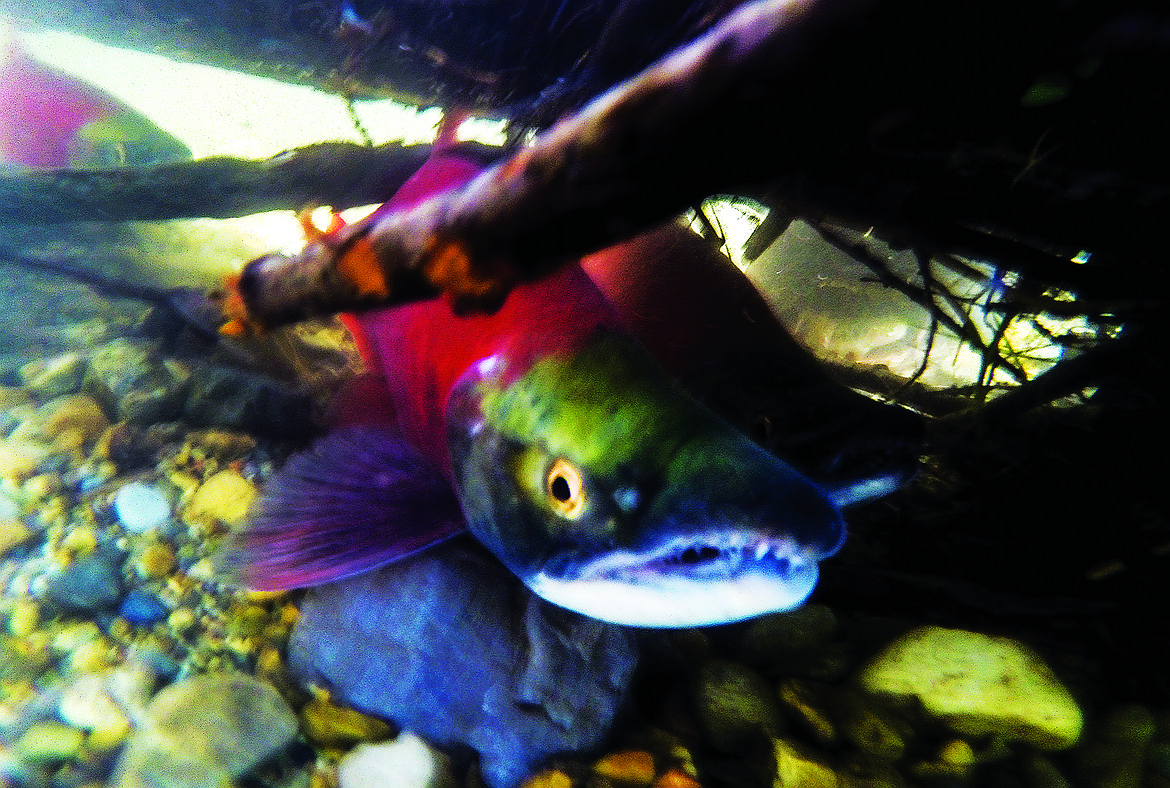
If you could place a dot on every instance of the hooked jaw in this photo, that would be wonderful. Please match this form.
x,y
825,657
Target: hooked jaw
x,y
716,577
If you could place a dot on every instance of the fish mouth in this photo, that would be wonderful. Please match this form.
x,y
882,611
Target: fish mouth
x,y
699,580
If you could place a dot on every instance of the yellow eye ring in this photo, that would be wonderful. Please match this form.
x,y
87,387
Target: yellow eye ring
x,y
564,488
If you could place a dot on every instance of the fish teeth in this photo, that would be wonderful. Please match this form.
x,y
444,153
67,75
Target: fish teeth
x,y
762,550
784,553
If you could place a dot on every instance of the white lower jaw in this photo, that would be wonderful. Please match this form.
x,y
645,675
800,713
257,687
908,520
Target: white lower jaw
x,y
676,601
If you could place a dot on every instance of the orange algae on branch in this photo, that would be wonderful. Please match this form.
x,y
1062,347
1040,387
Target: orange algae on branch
x,y
594,179
449,266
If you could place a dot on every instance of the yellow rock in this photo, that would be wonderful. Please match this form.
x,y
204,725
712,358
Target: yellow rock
x,y
42,486
79,412
182,620
553,778
91,657
676,778
224,497
186,482
54,512
633,766
107,738
24,618
49,742
222,444
72,636
793,768
12,533
977,685
326,723
157,560
69,440
20,457
81,540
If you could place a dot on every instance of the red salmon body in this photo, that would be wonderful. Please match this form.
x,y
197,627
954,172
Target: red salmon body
x,y
41,109
554,431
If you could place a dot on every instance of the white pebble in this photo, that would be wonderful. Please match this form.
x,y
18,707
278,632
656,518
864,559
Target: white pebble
x,y
140,507
86,704
406,762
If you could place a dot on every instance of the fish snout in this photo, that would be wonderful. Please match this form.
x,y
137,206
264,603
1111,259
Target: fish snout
x,y
872,449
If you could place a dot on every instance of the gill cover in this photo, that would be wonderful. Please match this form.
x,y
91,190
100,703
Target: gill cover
x,y
610,491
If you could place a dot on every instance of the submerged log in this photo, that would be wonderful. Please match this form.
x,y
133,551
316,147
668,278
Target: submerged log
x,y
339,174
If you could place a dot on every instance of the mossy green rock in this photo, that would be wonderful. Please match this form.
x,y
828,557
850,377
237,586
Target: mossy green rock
x,y
49,742
977,685
133,382
735,704
203,730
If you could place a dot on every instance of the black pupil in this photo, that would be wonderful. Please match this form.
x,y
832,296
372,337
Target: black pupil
x,y
559,487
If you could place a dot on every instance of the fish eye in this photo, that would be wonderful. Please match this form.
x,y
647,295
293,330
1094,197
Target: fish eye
x,y
564,488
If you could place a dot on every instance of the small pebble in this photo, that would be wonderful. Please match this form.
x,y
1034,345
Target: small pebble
x,y
49,742
24,618
634,766
957,753
54,376
676,778
42,486
182,620
977,685
12,533
801,699
88,585
224,497
79,412
870,726
70,636
329,724
140,507
735,704
20,457
81,541
217,723
156,561
406,762
794,768
21,660
552,778
143,609
93,656
87,704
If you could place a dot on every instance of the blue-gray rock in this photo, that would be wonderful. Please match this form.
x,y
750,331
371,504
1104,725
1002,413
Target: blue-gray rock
x,y
88,585
449,645
143,609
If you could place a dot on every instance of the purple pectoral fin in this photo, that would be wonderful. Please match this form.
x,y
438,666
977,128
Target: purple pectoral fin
x,y
360,498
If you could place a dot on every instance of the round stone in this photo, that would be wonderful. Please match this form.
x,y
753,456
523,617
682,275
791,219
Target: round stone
x,y
140,507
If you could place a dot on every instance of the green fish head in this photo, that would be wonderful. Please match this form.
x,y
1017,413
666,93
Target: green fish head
x,y
610,491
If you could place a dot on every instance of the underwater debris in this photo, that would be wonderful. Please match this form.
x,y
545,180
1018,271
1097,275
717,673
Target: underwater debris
x,y
594,178
334,173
